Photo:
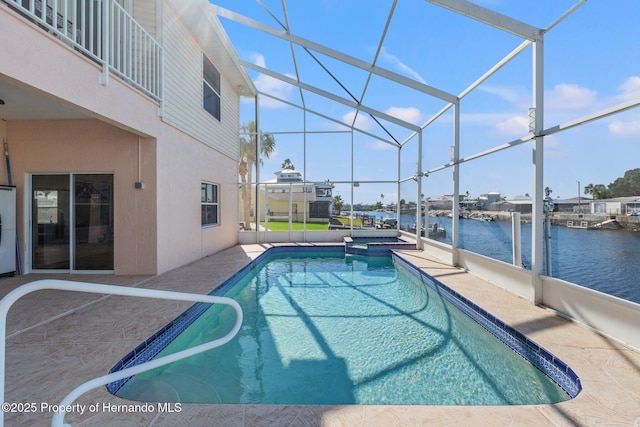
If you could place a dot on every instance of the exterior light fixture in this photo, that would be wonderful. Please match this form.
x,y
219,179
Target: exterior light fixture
x,y
1,101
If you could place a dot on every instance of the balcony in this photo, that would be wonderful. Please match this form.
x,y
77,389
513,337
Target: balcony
x,y
106,33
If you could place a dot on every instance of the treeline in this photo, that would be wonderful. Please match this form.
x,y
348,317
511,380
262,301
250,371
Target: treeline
x,y
628,185
362,206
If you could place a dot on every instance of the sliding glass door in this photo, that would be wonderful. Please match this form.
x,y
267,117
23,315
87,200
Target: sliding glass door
x,y
72,222
93,225
51,213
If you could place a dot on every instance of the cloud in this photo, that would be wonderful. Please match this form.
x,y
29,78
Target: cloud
x,y
625,129
630,88
507,94
513,126
271,86
363,122
408,114
570,97
400,65
379,146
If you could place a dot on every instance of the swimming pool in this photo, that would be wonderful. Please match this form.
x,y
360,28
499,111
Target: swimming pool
x,y
322,328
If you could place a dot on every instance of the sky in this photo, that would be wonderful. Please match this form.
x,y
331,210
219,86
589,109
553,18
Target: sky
x,y
591,63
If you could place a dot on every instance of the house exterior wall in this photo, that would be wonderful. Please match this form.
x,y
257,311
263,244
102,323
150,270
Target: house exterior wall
x,y
183,90
144,11
182,165
158,227
67,146
607,207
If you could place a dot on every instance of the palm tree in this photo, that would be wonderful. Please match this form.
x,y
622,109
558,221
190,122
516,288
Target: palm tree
x,y
382,200
337,203
588,189
287,164
248,158
600,192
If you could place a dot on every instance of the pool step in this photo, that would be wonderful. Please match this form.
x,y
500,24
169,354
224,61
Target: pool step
x,y
374,248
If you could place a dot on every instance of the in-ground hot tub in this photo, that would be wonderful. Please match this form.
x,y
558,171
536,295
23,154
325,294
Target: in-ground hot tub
x,y
374,246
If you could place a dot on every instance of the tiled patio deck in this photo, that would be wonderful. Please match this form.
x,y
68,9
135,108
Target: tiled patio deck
x,y
49,354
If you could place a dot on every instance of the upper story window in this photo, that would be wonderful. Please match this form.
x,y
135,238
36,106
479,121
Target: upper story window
x,y
210,88
209,204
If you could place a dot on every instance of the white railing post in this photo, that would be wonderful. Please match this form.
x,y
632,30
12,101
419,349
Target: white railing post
x,y
516,239
106,37
107,33
58,419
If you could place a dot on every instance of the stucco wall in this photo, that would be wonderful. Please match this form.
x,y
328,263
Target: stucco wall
x,y
183,164
149,237
156,228
64,146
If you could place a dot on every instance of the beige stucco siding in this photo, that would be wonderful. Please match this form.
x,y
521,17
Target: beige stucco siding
x,y
64,146
183,164
158,227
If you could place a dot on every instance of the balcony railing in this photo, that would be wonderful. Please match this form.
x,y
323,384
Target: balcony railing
x,y
104,31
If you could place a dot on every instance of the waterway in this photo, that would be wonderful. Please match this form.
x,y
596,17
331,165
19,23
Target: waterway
x,y
604,260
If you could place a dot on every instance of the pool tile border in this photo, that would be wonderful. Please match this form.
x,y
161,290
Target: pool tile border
x,y
553,367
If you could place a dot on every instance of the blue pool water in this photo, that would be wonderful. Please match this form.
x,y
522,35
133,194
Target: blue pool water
x,y
324,328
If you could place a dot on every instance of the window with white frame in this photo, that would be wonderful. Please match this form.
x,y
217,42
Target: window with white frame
x,y
210,88
209,202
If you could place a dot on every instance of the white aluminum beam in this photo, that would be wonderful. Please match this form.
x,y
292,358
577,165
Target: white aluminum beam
x,y
504,61
565,15
350,60
537,214
619,108
375,58
324,116
489,17
331,96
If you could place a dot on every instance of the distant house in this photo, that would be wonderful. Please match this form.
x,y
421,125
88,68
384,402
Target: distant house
x,y
617,206
520,204
486,200
572,205
440,202
309,201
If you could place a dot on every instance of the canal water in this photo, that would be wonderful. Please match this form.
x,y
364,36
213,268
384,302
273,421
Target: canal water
x,y
605,260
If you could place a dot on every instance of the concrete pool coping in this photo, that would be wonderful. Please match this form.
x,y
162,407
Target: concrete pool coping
x,y
49,354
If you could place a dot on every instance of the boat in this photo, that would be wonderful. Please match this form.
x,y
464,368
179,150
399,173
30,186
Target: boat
x,y
583,225
387,222
435,231
481,217
610,224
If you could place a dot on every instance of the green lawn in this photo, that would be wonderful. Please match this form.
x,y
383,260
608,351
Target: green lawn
x,y
295,226
298,226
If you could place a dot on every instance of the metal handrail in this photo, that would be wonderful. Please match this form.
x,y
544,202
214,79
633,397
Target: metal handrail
x,y
66,285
